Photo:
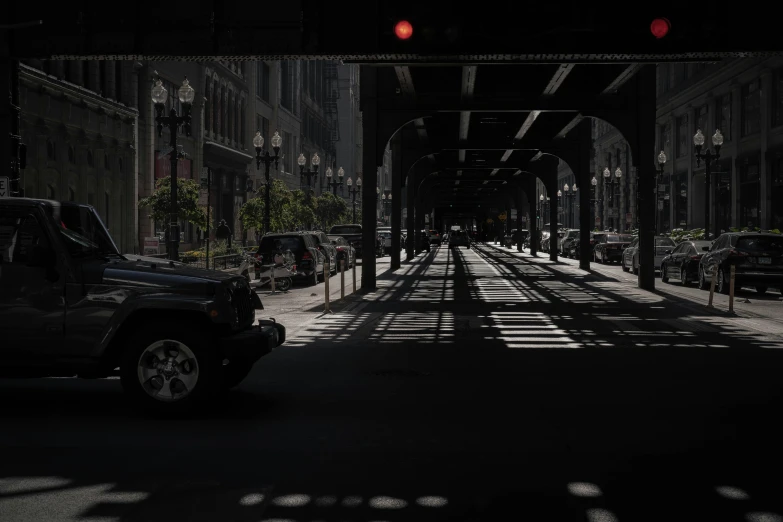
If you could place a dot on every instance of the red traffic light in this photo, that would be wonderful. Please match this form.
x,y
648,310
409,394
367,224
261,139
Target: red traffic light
x,y
403,30
660,27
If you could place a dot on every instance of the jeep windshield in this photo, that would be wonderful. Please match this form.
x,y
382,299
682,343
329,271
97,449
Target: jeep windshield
x,y
83,232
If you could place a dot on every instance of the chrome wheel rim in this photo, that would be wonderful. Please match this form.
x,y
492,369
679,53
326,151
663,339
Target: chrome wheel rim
x,y
167,370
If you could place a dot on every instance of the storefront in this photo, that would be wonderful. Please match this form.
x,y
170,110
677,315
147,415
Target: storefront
x,y
680,200
721,191
229,184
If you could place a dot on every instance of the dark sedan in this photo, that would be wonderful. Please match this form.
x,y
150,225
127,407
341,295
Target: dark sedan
x,y
682,263
610,247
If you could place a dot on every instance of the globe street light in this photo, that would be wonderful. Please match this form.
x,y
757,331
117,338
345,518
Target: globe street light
x,y
353,192
570,195
708,157
312,173
173,121
263,156
334,184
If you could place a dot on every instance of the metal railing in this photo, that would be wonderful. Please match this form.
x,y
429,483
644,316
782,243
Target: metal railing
x,y
227,262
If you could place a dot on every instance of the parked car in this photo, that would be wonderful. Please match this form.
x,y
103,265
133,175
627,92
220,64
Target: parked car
x,y
344,250
595,238
610,247
630,257
424,241
352,234
72,306
326,247
757,258
435,238
308,258
682,263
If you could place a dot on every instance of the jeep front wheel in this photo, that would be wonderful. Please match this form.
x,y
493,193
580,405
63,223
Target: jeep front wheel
x,y
170,369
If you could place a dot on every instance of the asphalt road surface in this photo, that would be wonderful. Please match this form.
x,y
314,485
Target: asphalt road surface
x,y
473,385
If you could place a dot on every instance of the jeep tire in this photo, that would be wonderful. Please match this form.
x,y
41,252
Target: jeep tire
x,y
170,368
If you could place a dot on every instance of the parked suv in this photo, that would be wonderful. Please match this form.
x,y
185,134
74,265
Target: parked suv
x,y
757,258
72,305
309,259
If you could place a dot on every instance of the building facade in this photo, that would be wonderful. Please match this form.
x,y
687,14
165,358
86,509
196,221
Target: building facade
x,y
79,122
349,146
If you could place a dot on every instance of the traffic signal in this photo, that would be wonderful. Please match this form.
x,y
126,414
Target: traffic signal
x,y
660,27
403,30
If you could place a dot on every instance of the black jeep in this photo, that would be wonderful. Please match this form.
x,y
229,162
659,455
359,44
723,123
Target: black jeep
x,y
72,305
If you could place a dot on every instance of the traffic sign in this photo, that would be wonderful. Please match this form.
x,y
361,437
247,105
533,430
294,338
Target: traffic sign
x,y
5,187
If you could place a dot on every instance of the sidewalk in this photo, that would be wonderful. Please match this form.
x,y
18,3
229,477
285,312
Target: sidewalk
x,y
765,316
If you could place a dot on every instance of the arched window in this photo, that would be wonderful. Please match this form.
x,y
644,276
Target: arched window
x,y
50,192
71,194
90,159
119,164
51,150
71,155
242,143
106,161
208,105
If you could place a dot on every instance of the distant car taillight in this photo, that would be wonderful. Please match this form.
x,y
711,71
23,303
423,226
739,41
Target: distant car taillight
x,y
306,256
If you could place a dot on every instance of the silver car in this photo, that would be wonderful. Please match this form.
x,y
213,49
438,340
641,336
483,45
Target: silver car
x,y
630,259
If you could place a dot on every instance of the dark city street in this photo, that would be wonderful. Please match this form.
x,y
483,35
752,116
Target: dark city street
x,y
472,385
350,261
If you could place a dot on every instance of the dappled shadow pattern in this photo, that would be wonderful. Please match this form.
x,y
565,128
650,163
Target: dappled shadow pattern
x,y
469,387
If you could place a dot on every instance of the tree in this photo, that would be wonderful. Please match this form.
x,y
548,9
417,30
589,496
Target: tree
x,y
188,208
252,213
298,211
329,209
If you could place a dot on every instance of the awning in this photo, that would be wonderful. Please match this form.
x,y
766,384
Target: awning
x,y
226,156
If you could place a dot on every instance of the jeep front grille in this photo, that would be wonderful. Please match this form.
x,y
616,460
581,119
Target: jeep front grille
x,y
243,304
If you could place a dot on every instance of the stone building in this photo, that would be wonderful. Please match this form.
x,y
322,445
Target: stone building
x,y
349,147
79,122
320,94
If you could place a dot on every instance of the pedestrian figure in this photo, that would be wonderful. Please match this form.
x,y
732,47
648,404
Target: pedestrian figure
x,y
223,232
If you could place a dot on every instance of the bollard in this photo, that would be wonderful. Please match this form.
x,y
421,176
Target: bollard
x,y
712,285
272,279
326,286
342,278
731,291
354,274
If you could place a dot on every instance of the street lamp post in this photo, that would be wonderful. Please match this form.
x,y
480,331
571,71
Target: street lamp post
x,y
595,200
570,194
263,156
353,192
708,157
312,173
610,182
387,200
661,163
334,184
173,121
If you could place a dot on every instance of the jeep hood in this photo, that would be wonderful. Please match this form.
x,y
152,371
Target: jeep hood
x,y
162,273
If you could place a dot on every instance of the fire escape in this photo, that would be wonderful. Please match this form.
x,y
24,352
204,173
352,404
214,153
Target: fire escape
x,y
330,105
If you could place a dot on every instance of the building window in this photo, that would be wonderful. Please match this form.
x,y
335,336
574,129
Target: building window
x,y
71,194
751,108
702,115
50,192
683,140
777,192
208,105
288,160
106,161
286,87
90,160
750,193
724,116
722,195
242,125
71,155
666,139
680,196
51,151
119,164
262,81
777,98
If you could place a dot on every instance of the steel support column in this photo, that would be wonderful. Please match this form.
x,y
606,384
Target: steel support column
x,y
396,206
584,175
369,108
532,224
553,246
645,167
410,246
520,205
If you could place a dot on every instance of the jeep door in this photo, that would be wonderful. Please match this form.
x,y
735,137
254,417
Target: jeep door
x,y
32,288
